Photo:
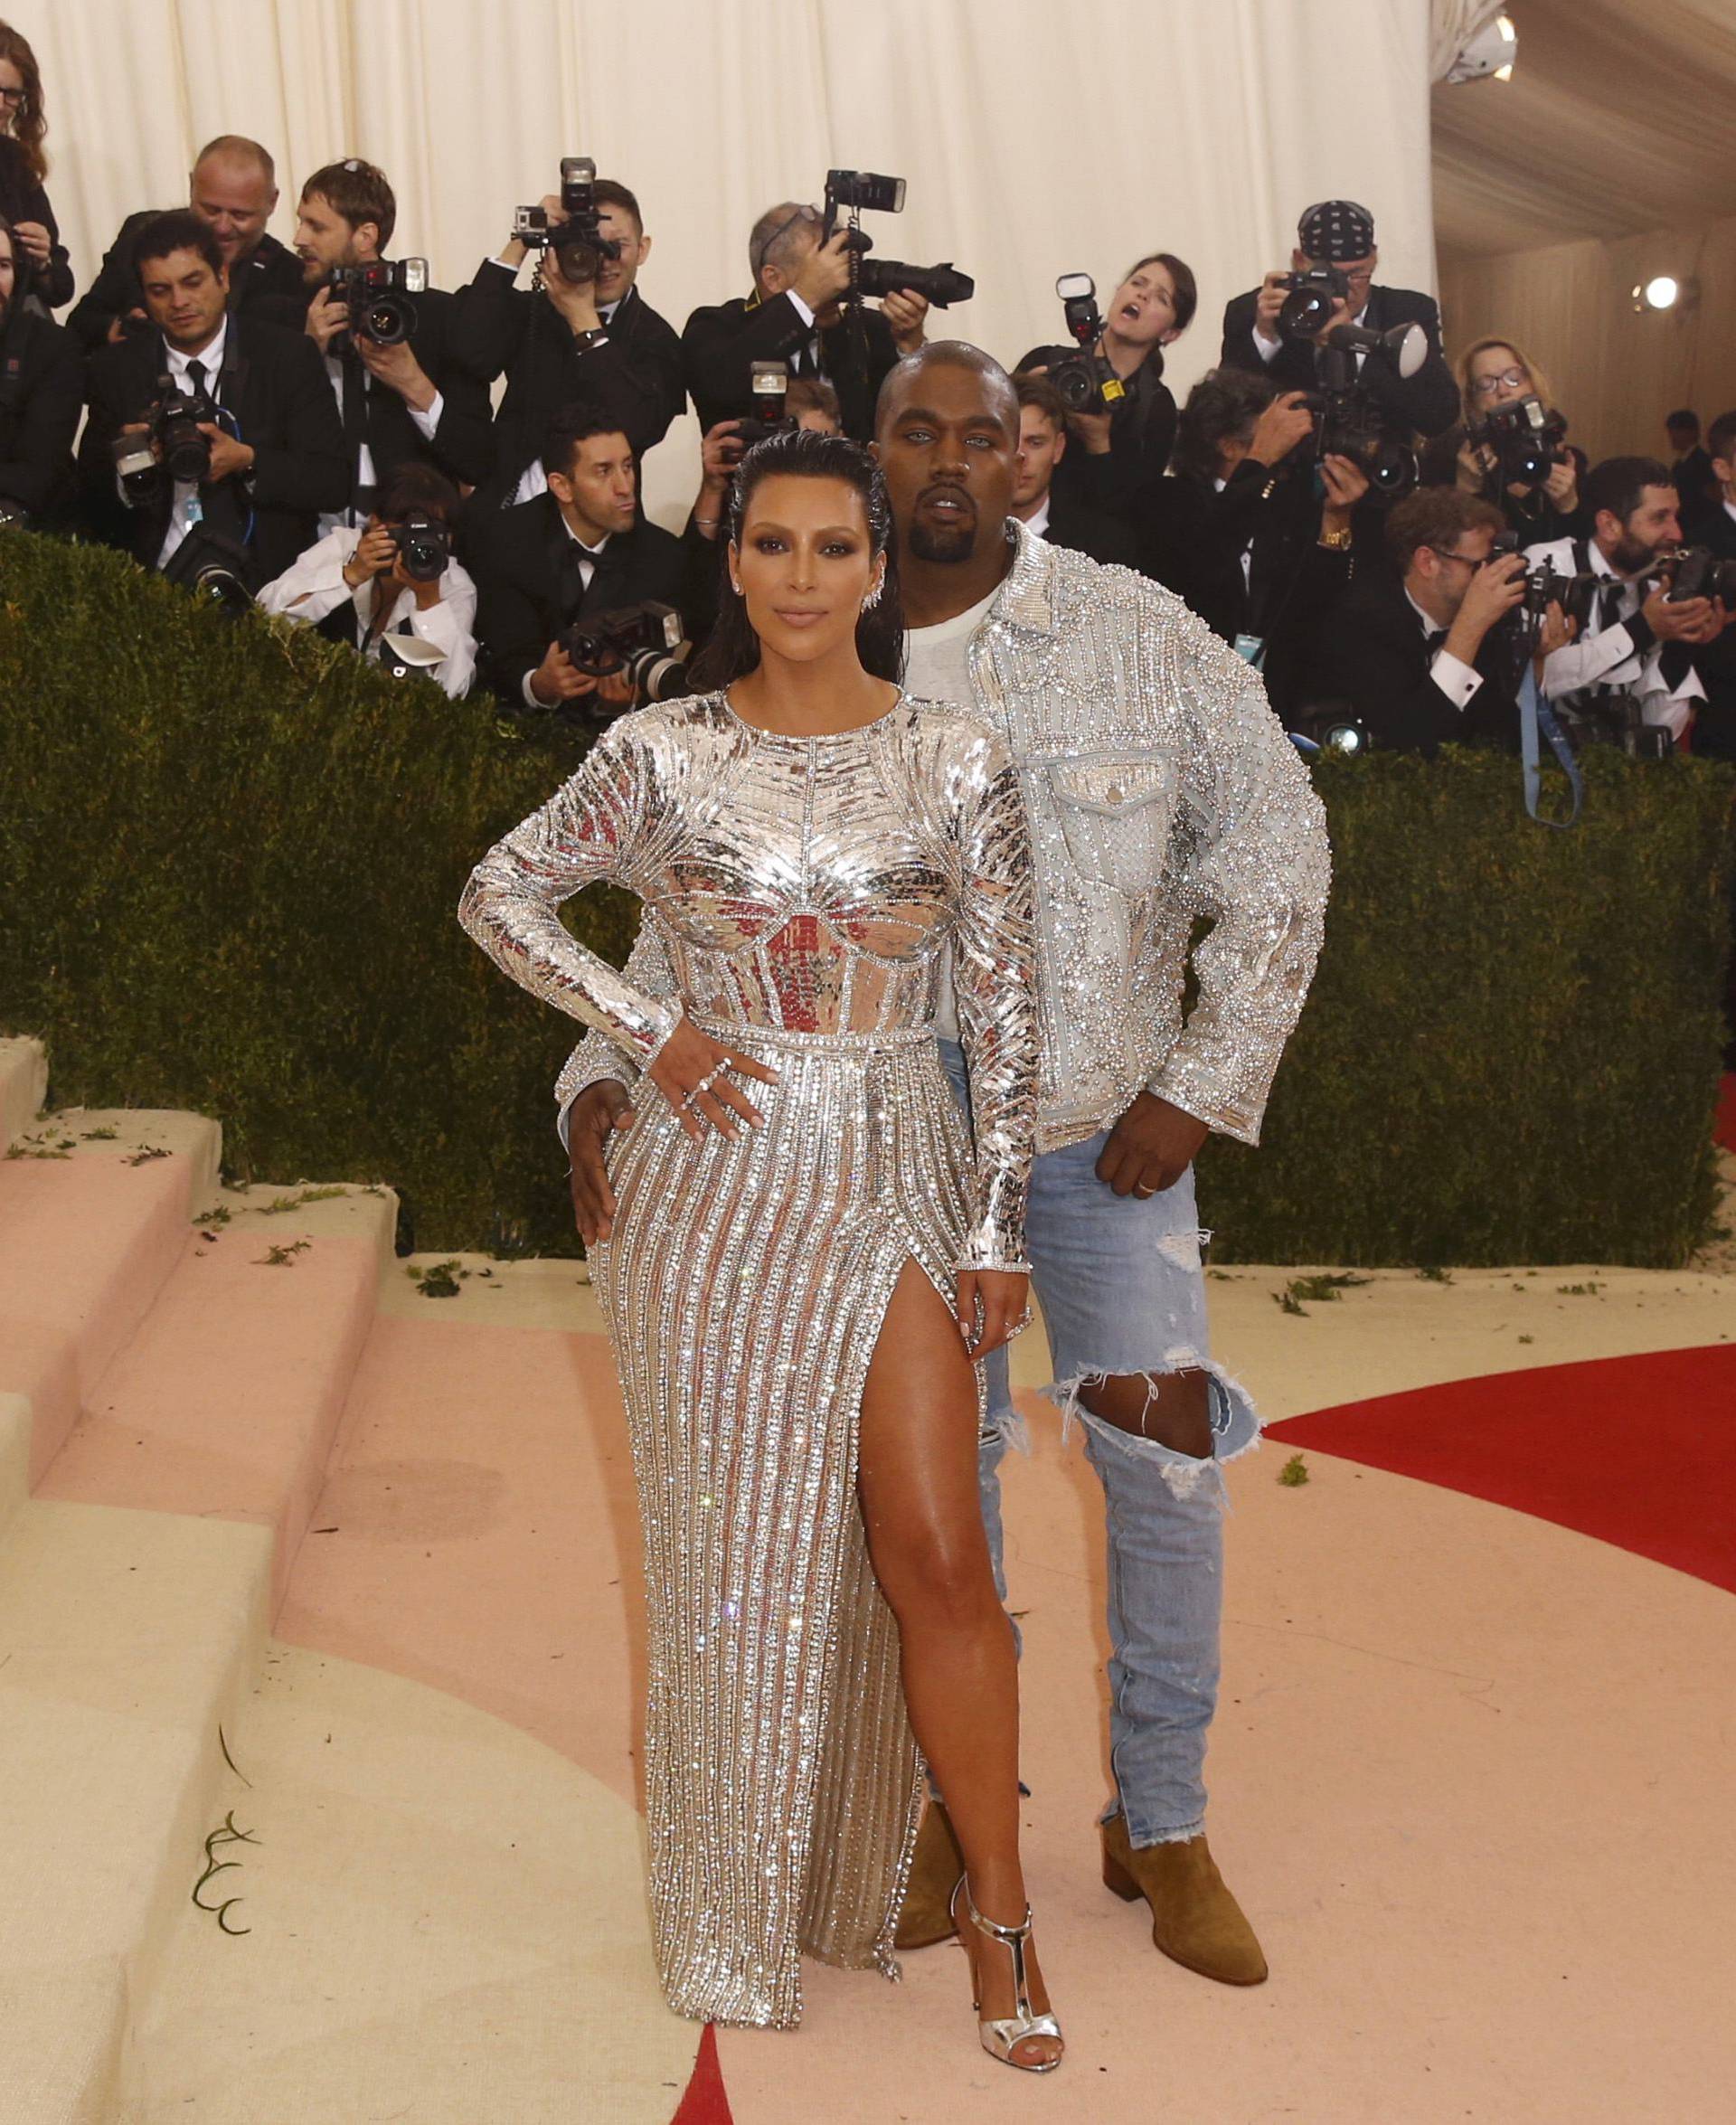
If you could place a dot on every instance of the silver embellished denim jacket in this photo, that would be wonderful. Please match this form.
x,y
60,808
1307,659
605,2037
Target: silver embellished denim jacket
x,y
1161,793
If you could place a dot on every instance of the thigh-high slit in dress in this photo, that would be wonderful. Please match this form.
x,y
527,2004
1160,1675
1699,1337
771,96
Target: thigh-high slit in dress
x,y
806,892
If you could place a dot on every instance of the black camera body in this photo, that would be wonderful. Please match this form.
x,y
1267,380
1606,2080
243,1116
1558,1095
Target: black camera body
x,y
1348,423
1699,572
172,421
424,544
637,640
377,295
578,243
1313,296
1085,381
1525,437
1613,719
859,191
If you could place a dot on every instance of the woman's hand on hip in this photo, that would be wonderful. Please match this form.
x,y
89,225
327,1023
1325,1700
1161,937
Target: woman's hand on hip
x,y
695,1074
992,1308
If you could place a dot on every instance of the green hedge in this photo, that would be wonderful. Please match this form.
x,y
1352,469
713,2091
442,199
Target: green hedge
x,y
230,856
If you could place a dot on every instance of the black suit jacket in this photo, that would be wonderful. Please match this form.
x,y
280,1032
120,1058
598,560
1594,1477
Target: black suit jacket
x,y
1096,533
1426,403
23,199
1373,654
269,270
375,414
275,383
1714,724
498,329
1142,434
42,400
721,345
1696,488
516,557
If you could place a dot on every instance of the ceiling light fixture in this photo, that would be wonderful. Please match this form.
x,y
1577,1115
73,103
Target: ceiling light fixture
x,y
1490,53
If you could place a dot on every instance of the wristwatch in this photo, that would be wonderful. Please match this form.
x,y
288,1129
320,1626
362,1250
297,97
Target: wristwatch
x,y
1337,541
598,337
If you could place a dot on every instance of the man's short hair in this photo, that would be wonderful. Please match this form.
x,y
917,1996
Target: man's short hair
x,y
813,394
181,230
575,424
237,147
359,192
1181,278
605,192
1224,404
1618,484
1038,392
1684,417
417,485
1438,517
772,239
946,353
1721,438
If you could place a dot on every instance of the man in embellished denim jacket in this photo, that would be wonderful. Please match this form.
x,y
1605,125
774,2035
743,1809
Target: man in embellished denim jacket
x,y
1161,792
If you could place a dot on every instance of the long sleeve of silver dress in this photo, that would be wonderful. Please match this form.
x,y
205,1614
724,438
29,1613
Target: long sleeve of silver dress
x,y
803,893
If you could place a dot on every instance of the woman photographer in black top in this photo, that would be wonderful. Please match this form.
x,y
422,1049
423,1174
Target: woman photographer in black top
x,y
1495,375
42,400
22,167
1119,455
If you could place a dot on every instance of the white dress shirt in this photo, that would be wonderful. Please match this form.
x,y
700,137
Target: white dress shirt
x,y
1607,657
185,510
1458,680
587,556
1037,523
313,585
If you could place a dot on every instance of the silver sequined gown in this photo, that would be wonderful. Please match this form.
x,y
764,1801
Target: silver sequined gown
x,y
805,892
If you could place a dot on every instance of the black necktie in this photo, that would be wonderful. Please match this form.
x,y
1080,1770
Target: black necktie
x,y
1432,638
196,377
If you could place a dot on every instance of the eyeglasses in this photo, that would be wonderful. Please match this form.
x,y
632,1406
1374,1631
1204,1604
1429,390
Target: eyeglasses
x,y
13,97
1486,387
802,213
1443,553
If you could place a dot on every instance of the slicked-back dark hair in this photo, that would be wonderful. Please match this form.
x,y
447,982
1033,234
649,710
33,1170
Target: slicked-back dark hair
x,y
1618,483
577,422
1721,438
733,649
180,230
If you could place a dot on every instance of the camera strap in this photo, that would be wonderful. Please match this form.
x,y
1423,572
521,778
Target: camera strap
x,y
1535,714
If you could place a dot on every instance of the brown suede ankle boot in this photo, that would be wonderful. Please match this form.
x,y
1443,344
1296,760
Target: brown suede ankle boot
x,y
1194,1919
935,1869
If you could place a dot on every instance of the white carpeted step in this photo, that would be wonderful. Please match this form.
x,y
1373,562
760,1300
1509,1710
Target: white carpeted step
x,y
14,1456
23,1086
125,1640
94,1210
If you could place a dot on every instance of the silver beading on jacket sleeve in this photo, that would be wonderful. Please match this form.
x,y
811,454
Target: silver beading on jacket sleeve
x,y
993,975
1258,874
592,827
597,1059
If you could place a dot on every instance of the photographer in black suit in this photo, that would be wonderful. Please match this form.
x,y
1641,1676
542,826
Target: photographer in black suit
x,y
796,315
233,190
275,447
1417,653
42,397
1039,498
581,331
1714,728
1340,234
405,404
578,549
1119,454
1251,531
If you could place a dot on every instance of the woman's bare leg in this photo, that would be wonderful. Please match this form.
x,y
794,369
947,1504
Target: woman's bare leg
x,y
922,1508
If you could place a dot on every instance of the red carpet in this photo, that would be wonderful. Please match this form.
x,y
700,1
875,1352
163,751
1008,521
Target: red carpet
x,y
1725,1128
705,2103
1638,1451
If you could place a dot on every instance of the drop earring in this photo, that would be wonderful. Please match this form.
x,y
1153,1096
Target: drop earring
x,y
873,599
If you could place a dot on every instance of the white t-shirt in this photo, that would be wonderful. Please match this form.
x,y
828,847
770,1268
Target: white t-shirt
x,y
937,668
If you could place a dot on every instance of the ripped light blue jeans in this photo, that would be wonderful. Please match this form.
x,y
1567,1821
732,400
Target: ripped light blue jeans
x,y
1122,1290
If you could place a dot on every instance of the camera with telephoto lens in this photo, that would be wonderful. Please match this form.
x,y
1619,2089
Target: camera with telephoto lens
x,y
578,243
424,544
1526,437
640,643
1349,423
171,441
855,191
1577,595
1698,573
1312,298
1085,381
769,387
377,295
14,516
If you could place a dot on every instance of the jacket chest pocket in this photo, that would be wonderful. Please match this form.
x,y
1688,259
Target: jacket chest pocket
x,y
1115,810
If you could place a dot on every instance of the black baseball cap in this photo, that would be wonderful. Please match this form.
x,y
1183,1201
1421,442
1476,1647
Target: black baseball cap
x,y
1335,230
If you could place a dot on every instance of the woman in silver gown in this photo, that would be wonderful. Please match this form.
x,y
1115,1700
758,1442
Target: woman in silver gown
x,y
779,1273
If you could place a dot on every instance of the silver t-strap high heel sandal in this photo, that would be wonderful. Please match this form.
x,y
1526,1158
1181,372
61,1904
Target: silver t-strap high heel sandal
x,y
999,2039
